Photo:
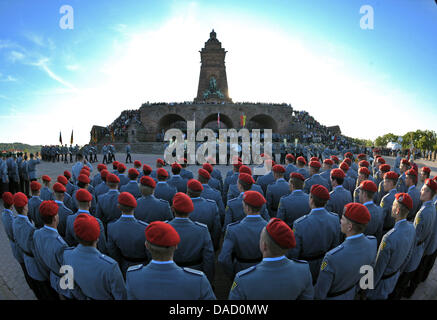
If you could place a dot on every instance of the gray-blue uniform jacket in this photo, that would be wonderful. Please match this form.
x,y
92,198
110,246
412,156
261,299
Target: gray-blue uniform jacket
x,y
97,275
214,183
93,207
316,233
304,172
107,207
340,270
314,179
265,180
274,193
381,192
8,219
195,250
186,174
393,254
164,191
151,209
123,180
274,279
339,197
241,245
327,176
70,188
23,234
46,194
63,214
31,166
70,235
400,185
233,191
417,203
4,171
33,212
386,205
154,174
424,225
431,245
234,211
132,188
206,212
101,188
217,175
126,238
289,170
293,206
177,182
24,170
13,170
97,179
164,280
376,223
212,194
231,179
68,201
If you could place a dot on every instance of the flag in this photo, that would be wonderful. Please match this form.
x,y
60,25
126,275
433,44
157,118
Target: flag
x,y
242,121
71,139
60,138
94,135
218,120
112,135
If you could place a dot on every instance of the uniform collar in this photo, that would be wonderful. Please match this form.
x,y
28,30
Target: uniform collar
x,y
82,211
133,181
129,216
400,222
318,209
59,202
177,175
23,217
8,211
180,218
368,203
427,203
196,198
274,259
161,182
50,228
354,237
253,216
90,249
297,191
393,190
411,187
280,179
162,262
113,190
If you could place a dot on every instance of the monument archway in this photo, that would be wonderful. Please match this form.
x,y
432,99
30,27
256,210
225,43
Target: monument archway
x,y
262,121
170,121
211,122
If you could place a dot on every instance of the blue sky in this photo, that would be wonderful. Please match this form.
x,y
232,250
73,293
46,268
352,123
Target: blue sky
x,y
312,54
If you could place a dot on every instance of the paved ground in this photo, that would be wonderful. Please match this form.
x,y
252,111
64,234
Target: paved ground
x,y
14,287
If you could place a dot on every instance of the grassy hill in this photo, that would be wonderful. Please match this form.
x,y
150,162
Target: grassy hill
x,y
18,146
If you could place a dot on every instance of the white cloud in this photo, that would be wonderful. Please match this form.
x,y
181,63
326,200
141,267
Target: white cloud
x,y
42,64
72,67
16,56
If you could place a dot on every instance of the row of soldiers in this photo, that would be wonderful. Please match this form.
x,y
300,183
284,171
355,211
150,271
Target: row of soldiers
x,y
65,154
306,244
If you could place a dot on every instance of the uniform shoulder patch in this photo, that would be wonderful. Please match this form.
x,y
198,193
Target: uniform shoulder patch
x,y
143,223
333,214
233,223
300,261
136,267
60,240
193,271
163,201
107,259
301,219
335,250
209,200
246,271
371,237
201,224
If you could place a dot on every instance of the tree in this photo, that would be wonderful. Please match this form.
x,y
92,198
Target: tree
x,y
382,141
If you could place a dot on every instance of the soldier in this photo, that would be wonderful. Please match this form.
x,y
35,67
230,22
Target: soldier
x,y
111,153
394,251
84,183
128,155
78,166
4,179
65,153
105,154
24,178
195,249
34,203
31,165
413,192
102,188
97,275
336,162
288,279
339,196
176,181
400,185
375,226
13,175
83,198
424,174
351,173
210,193
390,179
213,182
348,183
205,211
231,179
159,164
276,190
147,170
97,179
163,190
70,152
126,236
121,168
340,271
149,208
132,185
241,248
301,164
107,208
326,174
317,232
186,174
46,192
268,178
114,167
216,173
377,178
315,177
233,191
383,169
363,175
137,165
290,167
162,278
70,187
63,211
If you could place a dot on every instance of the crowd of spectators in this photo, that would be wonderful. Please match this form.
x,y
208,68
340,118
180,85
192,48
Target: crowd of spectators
x,y
120,125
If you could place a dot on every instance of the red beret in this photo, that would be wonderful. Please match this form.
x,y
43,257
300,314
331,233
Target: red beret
x,y
85,167
297,176
83,178
369,185
160,161
84,172
278,168
314,159
8,198
411,172
344,166
137,163
245,169
162,234
337,173
320,191
426,169
364,170
431,184
208,167
391,175
315,164
348,154
101,166
348,161
63,180
183,203
86,227
59,187
405,162
162,172
357,212
194,185
238,164
204,173
133,172
362,156
104,173
147,168
83,195
112,178
20,200
363,163
67,174
46,178
281,233
290,157
148,181
126,199
328,162
381,160
121,168
335,158
405,199
35,186
384,167
245,177
176,166
115,164
254,199
48,208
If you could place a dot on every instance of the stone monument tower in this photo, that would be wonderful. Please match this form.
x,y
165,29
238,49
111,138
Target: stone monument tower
x,y
213,84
